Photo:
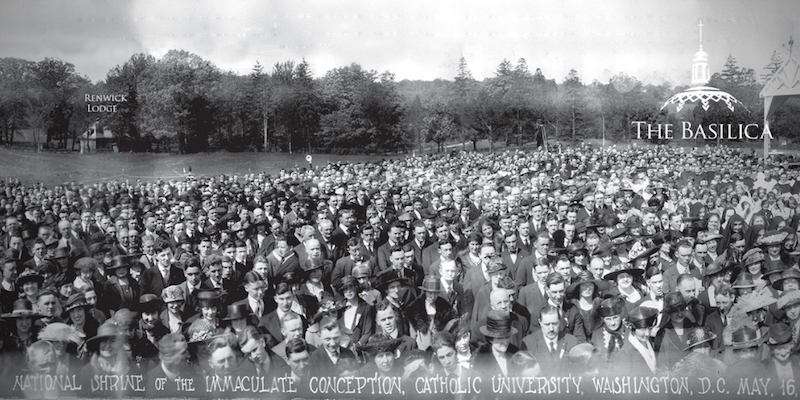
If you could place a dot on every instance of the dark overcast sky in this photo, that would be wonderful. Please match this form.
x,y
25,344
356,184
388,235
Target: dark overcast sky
x,y
651,40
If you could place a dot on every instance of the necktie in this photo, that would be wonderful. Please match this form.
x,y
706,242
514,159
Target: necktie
x,y
258,309
552,347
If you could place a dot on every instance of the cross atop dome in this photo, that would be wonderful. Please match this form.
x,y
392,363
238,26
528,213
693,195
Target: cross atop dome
x,y
701,74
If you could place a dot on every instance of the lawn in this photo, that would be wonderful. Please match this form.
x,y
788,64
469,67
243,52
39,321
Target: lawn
x,y
53,168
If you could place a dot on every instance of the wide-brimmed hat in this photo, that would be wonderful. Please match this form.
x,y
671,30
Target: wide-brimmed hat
x,y
172,294
431,284
745,338
29,276
662,237
120,261
498,325
381,343
386,278
315,263
587,277
405,217
779,334
773,238
604,250
674,301
641,253
108,330
236,311
698,336
51,242
791,273
634,272
60,332
789,298
74,301
149,303
773,267
577,247
328,306
743,280
21,308
756,300
642,317
350,282
611,306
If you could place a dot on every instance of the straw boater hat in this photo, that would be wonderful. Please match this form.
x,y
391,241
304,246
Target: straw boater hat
x,y
745,338
698,336
791,273
498,325
789,298
21,308
779,334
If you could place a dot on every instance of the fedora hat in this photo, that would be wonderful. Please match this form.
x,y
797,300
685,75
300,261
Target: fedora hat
x,y
108,330
120,261
29,276
789,298
745,338
237,311
791,273
642,317
21,308
779,334
698,336
674,301
381,343
587,277
149,303
431,284
498,325
74,301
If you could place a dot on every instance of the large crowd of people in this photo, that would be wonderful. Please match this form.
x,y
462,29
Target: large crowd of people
x,y
636,261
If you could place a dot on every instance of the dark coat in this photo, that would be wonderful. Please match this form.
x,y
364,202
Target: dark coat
x,y
551,363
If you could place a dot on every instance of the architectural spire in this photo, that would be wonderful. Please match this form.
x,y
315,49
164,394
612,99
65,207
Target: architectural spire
x,y
701,33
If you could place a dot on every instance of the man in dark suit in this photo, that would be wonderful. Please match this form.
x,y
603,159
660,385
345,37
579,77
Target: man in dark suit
x,y
513,255
571,321
344,230
272,322
344,266
550,344
395,239
260,359
420,241
172,372
282,260
324,359
154,280
717,320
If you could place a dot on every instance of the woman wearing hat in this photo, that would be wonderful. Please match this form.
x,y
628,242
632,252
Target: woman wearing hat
x,y
585,293
629,285
670,341
430,313
120,290
107,357
610,337
76,315
744,345
699,362
30,282
494,358
715,275
380,351
637,356
208,304
789,303
783,364
67,343
23,331
358,317
314,270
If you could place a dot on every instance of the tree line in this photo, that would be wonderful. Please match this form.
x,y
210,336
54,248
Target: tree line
x,y
185,103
